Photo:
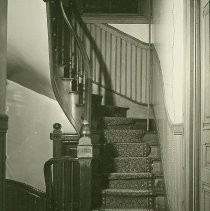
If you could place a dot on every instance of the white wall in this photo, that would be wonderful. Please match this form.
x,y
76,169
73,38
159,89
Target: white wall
x,y
31,117
139,31
168,33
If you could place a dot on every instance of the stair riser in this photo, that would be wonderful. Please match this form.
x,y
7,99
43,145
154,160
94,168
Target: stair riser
x,y
128,165
123,123
156,168
138,184
127,202
123,136
96,99
155,152
99,183
102,111
160,203
127,150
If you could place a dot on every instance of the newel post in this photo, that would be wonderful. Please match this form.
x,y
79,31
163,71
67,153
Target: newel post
x,y
85,154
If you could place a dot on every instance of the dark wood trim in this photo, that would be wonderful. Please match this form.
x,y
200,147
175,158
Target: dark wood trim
x,y
3,54
20,196
3,122
3,131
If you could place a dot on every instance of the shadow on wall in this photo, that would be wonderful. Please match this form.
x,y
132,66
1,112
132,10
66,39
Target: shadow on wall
x,y
31,117
23,73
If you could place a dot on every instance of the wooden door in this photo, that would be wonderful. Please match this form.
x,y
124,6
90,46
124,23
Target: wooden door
x,y
205,114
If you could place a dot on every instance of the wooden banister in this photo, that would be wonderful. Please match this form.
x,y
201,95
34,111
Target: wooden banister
x,y
71,74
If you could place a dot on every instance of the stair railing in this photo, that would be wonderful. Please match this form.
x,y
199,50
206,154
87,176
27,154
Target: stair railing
x,y
71,78
88,75
71,74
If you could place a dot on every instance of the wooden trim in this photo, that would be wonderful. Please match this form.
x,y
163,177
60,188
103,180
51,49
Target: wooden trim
x,y
20,196
3,122
115,18
3,130
3,54
192,103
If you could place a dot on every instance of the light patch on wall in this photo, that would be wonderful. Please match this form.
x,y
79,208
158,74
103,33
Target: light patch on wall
x,y
168,34
31,117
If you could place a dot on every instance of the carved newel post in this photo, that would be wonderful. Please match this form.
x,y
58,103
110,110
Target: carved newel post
x,y
85,154
56,137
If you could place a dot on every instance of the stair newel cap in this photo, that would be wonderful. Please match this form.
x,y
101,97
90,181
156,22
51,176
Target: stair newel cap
x,y
84,147
85,129
57,132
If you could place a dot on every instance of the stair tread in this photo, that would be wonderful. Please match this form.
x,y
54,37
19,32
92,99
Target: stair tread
x,y
132,158
113,176
111,106
128,192
126,119
124,210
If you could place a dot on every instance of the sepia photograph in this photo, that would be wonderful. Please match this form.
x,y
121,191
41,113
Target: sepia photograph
x,y
104,105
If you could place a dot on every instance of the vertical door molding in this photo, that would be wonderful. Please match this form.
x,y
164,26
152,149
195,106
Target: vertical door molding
x,y
192,83
3,117
205,110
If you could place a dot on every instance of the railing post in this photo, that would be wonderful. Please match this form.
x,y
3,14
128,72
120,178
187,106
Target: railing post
x,y
85,154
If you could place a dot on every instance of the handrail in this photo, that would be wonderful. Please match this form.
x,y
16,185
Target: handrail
x,y
71,81
88,75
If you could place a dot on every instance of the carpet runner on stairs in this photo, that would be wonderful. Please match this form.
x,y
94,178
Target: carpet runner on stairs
x,y
127,179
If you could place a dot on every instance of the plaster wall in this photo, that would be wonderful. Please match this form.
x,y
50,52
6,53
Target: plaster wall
x,y
31,117
139,31
168,34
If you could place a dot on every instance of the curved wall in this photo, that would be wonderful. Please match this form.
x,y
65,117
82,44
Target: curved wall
x,y
31,116
168,34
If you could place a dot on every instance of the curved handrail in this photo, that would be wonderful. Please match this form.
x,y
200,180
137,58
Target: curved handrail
x,y
60,30
88,75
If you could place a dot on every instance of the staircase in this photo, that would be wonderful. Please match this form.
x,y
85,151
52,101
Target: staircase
x,y
126,166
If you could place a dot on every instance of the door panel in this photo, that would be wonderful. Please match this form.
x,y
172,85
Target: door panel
x,y
205,117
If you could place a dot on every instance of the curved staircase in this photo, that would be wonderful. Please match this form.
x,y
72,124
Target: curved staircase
x,y
126,166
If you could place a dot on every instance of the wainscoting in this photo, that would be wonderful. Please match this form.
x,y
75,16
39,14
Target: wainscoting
x,y
120,63
170,140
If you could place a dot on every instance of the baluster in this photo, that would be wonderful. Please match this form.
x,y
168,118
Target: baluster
x,y
72,186
63,185
136,80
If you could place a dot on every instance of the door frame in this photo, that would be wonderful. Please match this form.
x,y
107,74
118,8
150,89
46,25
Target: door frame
x,y
192,103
